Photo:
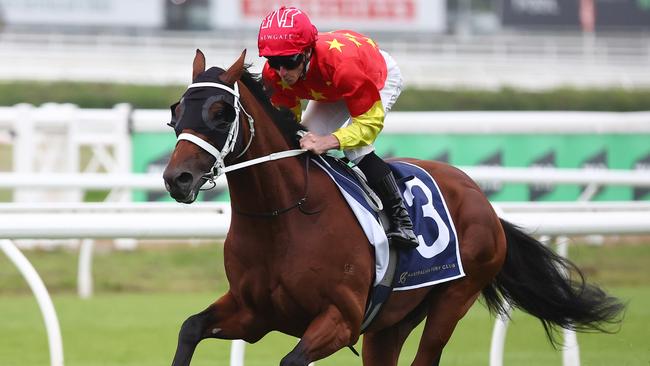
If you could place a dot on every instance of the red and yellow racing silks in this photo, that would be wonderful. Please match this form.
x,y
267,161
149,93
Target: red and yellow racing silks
x,y
347,66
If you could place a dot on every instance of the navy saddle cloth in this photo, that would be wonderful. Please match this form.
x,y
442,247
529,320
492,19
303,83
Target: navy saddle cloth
x,y
437,258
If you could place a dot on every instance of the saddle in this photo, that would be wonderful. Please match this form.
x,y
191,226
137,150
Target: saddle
x,y
371,197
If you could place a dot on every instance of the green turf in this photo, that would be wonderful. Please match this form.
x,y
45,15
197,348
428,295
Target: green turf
x,y
143,296
141,329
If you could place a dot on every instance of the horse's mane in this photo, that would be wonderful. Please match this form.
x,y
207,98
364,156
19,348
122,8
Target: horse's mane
x,y
283,117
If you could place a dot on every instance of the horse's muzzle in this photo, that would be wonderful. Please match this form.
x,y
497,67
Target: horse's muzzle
x,y
182,186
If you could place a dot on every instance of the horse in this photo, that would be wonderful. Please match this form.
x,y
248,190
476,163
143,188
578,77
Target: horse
x,y
298,262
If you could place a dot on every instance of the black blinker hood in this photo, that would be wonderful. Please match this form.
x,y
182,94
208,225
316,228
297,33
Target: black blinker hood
x,y
195,103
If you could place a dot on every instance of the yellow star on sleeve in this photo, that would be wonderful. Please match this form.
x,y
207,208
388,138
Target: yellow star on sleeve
x,y
284,85
371,42
352,39
316,95
335,44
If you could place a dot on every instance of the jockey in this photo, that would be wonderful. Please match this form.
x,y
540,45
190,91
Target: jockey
x,y
351,84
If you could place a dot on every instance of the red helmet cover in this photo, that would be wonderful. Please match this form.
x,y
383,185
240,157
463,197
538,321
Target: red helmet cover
x,y
286,31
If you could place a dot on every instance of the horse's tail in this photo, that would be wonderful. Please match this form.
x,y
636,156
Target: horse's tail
x,y
533,279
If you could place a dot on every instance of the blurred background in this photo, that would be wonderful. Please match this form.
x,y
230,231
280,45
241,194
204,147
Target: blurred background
x,y
533,44
544,102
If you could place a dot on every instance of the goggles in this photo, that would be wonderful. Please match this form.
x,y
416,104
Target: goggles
x,y
288,62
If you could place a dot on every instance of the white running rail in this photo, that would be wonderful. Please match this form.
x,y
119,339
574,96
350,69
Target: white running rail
x,y
598,177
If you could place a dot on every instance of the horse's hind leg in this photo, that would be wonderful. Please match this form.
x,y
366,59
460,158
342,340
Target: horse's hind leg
x,y
445,310
223,319
482,250
382,348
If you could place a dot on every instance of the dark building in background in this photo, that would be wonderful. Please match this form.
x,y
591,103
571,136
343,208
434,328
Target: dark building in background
x,y
606,15
622,14
188,15
541,13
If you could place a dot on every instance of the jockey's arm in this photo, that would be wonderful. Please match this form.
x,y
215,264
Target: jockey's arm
x,y
363,129
364,104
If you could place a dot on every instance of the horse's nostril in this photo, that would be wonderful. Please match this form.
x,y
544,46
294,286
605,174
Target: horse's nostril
x,y
184,178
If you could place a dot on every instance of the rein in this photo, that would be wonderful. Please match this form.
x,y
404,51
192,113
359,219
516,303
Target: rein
x,y
299,204
220,167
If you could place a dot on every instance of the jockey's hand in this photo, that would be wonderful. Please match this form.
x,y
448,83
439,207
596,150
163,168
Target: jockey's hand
x,y
319,144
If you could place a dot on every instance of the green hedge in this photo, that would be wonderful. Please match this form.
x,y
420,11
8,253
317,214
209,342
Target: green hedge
x,y
89,95
513,99
98,95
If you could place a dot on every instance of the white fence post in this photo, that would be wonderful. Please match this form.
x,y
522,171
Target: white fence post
x,y
498,342
42,297
237,353
237,348
24,147
570,351
84,272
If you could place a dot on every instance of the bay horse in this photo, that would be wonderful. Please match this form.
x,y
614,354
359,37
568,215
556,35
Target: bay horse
x,y
298,262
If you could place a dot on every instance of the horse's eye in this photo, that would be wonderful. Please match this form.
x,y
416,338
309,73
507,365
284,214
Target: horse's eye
x,y
218,123
218,116
224,113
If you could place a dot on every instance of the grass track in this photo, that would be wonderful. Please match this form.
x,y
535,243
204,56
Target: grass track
x,y
141,329
131,321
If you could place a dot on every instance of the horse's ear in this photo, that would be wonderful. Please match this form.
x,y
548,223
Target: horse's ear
x,y
235,71
198,66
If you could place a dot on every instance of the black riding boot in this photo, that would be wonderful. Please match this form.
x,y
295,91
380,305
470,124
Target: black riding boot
x,y
400,232
382,181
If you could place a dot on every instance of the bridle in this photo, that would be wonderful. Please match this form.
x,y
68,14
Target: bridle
x,y
219,166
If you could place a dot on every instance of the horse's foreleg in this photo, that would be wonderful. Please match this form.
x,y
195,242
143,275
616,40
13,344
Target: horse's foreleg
x,y
223,319
327,333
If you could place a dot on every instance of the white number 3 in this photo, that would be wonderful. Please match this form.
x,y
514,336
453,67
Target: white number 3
x,y
428,250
